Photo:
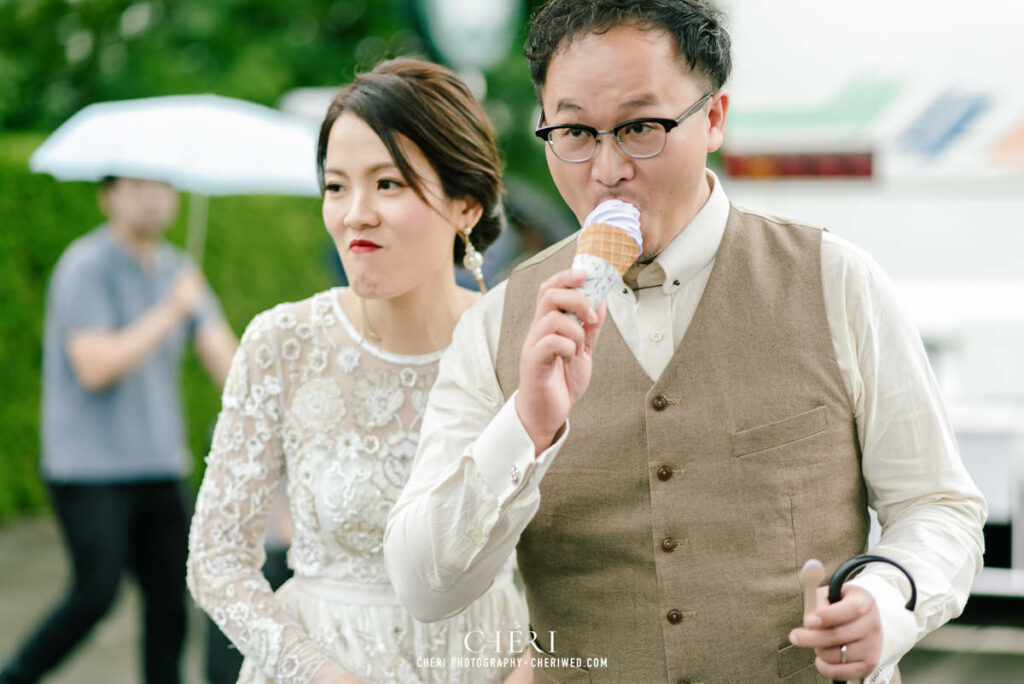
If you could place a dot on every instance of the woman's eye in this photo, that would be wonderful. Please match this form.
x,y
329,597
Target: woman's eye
x,y
388,184
332,187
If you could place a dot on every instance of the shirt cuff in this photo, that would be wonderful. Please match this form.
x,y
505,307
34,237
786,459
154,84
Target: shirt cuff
x,y
899,627
504,454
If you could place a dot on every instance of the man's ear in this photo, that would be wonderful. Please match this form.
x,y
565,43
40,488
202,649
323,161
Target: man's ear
x,y
719,106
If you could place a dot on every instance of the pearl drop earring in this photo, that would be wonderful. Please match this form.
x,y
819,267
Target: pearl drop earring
x,y
474,260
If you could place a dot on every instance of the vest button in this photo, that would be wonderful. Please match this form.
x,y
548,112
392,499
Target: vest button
x,y
668,544
659,403
664,473
674,616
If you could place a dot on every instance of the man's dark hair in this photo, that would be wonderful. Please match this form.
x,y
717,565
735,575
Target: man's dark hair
x,y
697,28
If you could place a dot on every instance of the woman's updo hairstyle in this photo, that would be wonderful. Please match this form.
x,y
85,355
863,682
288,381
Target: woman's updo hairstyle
x,y
432,108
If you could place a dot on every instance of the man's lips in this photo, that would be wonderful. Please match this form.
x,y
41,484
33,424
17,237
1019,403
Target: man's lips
x,y
362,246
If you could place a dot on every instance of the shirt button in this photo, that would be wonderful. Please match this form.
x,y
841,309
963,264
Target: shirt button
x,y
668,544
515,476
476,535
664,473
659,403
656,336
674,616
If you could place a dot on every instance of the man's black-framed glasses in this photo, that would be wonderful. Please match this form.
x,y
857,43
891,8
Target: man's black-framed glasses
x,y
639,138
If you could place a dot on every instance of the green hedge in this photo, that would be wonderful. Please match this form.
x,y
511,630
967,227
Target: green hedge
x,y
259,251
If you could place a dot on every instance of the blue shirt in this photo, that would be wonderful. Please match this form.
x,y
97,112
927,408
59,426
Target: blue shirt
x,y
134,429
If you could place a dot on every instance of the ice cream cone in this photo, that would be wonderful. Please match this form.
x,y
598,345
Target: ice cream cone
x,y
613,245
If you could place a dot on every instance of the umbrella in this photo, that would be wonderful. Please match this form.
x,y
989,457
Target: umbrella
x,y
202,144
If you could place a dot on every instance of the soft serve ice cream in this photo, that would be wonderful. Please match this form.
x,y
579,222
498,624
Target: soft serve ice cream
x,y
609,244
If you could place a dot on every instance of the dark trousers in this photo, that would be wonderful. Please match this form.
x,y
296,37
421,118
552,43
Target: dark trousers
x,y
140,527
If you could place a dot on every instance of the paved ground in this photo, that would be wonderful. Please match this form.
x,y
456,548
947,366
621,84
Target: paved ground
x,y
33,571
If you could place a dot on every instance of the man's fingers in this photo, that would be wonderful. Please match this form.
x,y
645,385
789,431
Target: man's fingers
x,y
851,671
592,330
556,323
558,293
564,280
829,661
828,638
853,621
550,316
561,299
851,607
552,347
834,654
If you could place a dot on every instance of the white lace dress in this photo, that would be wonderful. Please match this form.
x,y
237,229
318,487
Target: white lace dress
x,y
308,397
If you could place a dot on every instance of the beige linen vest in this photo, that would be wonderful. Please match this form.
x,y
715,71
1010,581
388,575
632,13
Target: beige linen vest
x,y
674,520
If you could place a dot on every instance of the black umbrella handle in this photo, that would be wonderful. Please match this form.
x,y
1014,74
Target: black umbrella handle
x,y
835,586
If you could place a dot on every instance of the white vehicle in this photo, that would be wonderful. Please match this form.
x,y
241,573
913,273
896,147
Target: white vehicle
x,y
931,184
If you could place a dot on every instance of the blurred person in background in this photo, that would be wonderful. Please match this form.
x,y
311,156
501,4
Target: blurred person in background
x,y
755,388
122,303
330,392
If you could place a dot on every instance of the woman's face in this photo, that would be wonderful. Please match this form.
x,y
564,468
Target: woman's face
x,y
390,241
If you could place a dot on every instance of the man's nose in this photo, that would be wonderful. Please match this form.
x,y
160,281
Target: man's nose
x,y
610,165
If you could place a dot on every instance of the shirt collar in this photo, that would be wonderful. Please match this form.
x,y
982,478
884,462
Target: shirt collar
x,y
695,247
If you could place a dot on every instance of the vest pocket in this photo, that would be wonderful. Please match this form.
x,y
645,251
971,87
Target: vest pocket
x,y
554,674
780,433
794,660
560,675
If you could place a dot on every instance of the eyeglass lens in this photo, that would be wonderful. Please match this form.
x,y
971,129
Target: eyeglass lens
x,y
639,139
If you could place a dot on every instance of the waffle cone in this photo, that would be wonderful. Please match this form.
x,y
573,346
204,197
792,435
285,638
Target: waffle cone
x,y
609,243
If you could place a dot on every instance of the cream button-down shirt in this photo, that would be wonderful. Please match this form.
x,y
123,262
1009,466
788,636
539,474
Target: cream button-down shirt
x,y
474,481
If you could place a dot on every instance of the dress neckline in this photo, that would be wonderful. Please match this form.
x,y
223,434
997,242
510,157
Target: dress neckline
x,y
365,344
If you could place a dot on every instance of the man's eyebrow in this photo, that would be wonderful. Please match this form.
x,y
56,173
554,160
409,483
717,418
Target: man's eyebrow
x,y
642,101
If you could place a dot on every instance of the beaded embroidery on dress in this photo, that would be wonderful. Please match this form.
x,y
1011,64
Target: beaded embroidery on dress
x,y
307,396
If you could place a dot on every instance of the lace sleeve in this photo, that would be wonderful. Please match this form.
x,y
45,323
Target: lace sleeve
x,y
226,540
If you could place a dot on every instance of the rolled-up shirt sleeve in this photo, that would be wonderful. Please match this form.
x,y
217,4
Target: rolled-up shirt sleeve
x,y
474,481
930,511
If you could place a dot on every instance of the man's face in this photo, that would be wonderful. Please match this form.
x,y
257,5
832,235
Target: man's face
x,y
143,207
602,80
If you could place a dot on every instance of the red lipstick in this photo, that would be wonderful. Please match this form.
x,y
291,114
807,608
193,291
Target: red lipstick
x,y
362,246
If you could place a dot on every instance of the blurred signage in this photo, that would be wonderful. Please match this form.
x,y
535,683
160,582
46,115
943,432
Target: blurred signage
x,y
816,165
946,118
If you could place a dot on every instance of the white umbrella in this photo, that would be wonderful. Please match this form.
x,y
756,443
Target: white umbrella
x,y
202,144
